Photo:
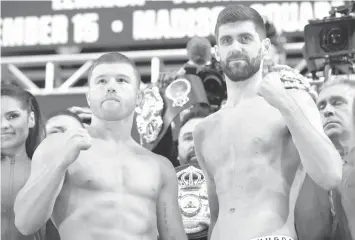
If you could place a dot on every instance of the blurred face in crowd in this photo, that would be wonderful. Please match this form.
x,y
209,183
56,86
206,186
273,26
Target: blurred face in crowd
x,y
16,122
186,146
113,91
240,50
61,124
335,105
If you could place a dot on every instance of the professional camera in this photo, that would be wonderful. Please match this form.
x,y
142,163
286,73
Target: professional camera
x,y
212,79
332,37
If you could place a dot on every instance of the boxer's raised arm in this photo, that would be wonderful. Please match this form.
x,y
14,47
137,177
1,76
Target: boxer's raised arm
x,y
318,155
169,220
34,203
211,186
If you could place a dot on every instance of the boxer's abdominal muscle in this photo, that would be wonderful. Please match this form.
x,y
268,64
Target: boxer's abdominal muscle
x,y
103,199
253,164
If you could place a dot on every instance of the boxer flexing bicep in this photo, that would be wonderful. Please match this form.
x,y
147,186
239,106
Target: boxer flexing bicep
x,y
321,160
34,203
169,220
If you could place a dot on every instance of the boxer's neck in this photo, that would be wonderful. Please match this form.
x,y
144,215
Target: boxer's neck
x,y
118,131
238,91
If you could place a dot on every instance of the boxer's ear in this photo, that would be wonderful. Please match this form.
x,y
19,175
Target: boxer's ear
x,y
88,98
216,53
265,47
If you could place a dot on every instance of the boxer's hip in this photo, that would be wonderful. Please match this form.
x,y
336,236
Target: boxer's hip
x,y
274,237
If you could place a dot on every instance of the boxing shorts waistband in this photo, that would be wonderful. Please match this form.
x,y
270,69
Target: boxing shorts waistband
x,y
278,237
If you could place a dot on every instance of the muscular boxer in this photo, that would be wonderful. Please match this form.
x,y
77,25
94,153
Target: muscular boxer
x,y
256,150
98,183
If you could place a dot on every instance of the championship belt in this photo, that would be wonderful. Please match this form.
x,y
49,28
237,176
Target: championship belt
x,y
158,107
149,120
292,79
193,200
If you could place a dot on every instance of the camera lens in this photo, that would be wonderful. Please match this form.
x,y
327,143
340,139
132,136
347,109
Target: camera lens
x,y
212,83
334,38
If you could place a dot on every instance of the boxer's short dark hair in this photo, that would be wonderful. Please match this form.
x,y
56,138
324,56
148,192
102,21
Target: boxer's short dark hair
x,y
240,13
196,112
65,113
114,57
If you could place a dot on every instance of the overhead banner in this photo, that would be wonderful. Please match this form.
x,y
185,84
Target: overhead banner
x,y
45,25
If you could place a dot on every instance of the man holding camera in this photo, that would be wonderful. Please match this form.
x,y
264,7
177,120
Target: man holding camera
x,y
256,150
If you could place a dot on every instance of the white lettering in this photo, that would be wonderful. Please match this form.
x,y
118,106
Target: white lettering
x,y
146,19
203,26
32,30
163,24
60,25
58,5
45,30
197,1
86,28
176,23
306,13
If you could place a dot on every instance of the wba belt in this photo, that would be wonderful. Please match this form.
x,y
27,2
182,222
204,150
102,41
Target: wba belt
x,y
278,237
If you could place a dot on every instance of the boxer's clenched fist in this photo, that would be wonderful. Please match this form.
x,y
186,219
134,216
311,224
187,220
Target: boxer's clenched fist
x,y
272,89
74,142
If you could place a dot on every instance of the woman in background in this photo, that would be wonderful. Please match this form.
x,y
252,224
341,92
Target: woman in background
x,y
22,130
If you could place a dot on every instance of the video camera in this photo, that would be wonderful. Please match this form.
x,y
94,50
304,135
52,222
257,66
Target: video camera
x,y
212,79
332,38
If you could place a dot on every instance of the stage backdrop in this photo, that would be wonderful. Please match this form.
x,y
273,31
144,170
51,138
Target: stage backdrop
x,y
35,26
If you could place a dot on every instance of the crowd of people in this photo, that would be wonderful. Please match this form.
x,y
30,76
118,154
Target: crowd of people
x,y
275,163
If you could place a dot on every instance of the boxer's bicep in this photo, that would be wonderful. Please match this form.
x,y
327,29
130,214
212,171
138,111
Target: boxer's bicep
x,y
35,201
169,220
318,155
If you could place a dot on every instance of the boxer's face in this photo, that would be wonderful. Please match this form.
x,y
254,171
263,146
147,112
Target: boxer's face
x,y
62,123
335,105
186,146
15,123
240,50
113,91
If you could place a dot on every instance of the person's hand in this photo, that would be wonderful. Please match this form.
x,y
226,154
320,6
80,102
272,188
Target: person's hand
x,y
272,89
75,141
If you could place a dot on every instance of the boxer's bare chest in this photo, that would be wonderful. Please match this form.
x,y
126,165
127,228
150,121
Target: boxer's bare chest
x,y
248,142
115,169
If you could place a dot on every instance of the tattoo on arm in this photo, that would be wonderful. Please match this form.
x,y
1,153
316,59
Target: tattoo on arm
x,y
165,221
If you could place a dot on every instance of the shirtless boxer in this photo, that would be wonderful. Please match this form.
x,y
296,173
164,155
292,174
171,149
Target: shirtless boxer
x,y
98,183
256,150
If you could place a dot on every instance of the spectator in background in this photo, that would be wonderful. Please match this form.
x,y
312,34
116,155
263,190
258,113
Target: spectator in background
x,y
336,101
62,121
196,225
186,149
318,213
22,130
199,55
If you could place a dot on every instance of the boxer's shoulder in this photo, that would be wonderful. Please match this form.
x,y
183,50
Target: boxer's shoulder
x,y
156,160
207,124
